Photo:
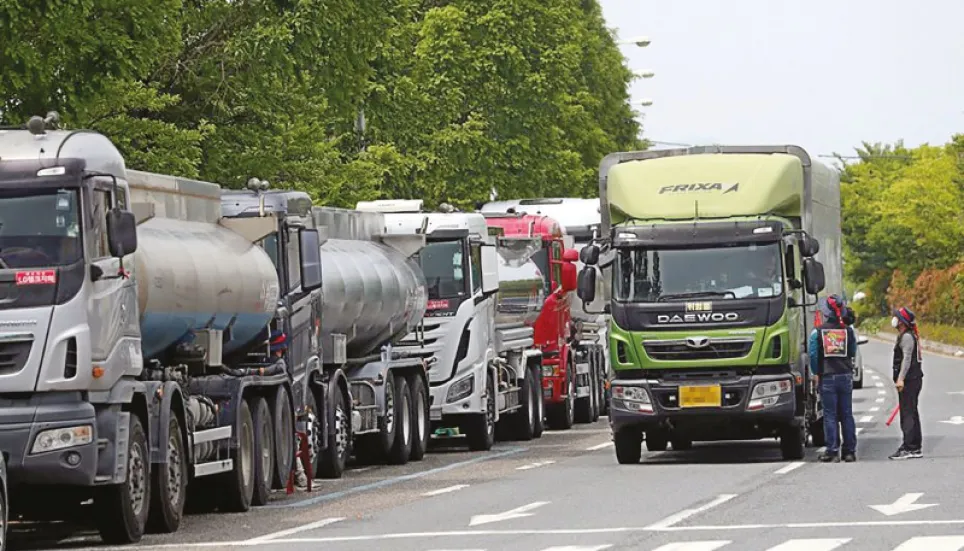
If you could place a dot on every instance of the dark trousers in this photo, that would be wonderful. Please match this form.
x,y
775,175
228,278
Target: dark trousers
x,y
836,393
909,416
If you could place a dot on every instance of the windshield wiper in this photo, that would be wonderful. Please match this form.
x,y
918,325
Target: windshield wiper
x,y
696,294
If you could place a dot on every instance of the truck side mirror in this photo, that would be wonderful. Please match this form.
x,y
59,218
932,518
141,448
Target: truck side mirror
x,y
570,255
589,255
813,272
310,245
809,246
569,278
121,232
490,268
586,285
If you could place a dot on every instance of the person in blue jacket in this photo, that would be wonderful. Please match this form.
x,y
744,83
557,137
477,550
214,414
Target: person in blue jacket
x,y
832,348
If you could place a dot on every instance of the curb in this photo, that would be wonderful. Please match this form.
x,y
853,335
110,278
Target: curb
x,y
930,346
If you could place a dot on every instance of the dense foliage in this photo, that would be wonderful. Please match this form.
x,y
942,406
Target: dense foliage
x,y
903,222
458,96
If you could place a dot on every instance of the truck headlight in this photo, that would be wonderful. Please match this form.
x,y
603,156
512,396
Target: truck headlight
x,y
633,398
66,437
550,371
768,394
461,389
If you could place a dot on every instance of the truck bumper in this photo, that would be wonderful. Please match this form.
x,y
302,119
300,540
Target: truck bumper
x,y
22,420
740,417
462,395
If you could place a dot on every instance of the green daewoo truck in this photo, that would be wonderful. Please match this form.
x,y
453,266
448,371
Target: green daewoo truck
x,y
711,259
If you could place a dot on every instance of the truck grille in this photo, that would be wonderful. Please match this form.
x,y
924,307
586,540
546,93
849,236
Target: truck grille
x,y
698,349
13,356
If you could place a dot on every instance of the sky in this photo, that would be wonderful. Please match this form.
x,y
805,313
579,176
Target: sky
x,y
825,75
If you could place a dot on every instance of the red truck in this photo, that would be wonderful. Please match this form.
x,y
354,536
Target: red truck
x,y
572,384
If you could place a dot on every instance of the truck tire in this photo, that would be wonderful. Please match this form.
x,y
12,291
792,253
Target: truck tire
x,y
524,420
601,365
629,446
480,428
264,450
237,486
540,405
656,440
284,424
594,392
4,517
401,446
561,416
169,484
584,406
332,459
420,417
791,443
122,509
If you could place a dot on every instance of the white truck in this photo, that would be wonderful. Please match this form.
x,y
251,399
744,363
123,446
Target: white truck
x,y
482,299
580,220
143,338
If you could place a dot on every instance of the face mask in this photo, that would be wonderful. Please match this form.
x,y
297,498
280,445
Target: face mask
x,y
893,322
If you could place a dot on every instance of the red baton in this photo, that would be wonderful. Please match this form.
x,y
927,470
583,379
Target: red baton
x,y
893,414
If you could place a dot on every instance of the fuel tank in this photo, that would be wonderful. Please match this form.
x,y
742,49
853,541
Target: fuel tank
x,y
372,293
193,273
521,283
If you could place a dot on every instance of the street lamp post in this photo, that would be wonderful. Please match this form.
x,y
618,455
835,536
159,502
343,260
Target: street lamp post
x,y
640,41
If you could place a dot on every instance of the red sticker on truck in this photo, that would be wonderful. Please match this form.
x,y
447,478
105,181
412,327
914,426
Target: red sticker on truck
x,y
437,304
37,277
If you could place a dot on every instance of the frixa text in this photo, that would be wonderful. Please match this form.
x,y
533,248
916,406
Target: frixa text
x,y
703,317
714,186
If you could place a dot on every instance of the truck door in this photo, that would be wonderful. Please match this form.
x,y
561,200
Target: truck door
x,y
112,308
299,324
562,314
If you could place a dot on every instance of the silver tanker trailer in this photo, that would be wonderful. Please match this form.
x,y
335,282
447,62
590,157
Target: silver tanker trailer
x,y
487,371
135,334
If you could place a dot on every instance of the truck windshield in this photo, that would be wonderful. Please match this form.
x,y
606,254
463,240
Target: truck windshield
x,y
725,273
443,264
541,259
39,228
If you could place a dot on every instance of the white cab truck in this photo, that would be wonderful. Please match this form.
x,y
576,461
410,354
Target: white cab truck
x,y
482,300
579,218
135,323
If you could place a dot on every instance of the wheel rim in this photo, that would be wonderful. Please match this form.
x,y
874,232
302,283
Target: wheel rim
x,y
247,452
406,419
174,465
571,400
420,420
136,480
341,431
314,437
389,408
266,452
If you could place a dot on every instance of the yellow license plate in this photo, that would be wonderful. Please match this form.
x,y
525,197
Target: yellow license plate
x,y
700,396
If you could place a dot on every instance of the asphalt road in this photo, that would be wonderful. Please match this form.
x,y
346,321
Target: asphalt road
x,y
565,492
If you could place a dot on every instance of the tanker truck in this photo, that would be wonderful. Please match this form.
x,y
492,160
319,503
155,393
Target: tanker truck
x,y
482,300
142,338
374,294
579,219
716,256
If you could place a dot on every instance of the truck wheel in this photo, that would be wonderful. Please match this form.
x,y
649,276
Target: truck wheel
x,y
481,426
584,405
791,443
601,366
169,484
629,446
681,443
561,416
284,441
332,459
594,393
524,420
237,486
264,450
656,440
122,508
420,415
540,405
401,447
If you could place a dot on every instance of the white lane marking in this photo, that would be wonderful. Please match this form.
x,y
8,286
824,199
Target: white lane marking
x,y
445,490
518,512
812,544
693,545
956,420
791,467
879,384
875,408
687,513
534,465
599,446
457,550
904,504
866,419
882,392
879,400
579,548
290,531
932,543
859,430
